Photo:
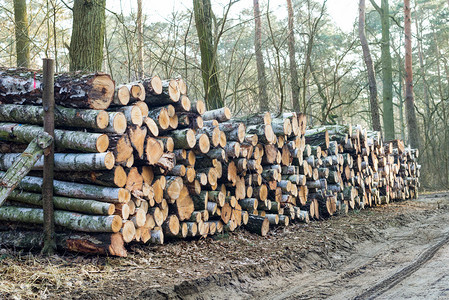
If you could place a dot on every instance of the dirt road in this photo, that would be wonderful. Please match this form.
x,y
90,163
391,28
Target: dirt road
x,y
410,261
393,252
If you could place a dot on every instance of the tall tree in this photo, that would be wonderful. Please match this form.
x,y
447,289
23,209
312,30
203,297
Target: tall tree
x,y
313,27
375,119
387,70
203,21
22,38
263,96
86,45
412,124
292,53
140,65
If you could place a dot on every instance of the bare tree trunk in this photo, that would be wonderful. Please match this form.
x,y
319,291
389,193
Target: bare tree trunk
x,y
423,75
412,124
203,20
388,114
401,100
291,52
263,97
387,73
86,45
140,66
21,28
370,69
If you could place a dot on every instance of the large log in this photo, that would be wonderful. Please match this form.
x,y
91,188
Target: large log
x,y
112,178
64,139
64,117
152,86
77,190
101,243
78,90
73,221
259,225
183,139
67,161
91,207
219,114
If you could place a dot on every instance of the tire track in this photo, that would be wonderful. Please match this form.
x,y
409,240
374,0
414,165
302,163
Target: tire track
x,y
399,276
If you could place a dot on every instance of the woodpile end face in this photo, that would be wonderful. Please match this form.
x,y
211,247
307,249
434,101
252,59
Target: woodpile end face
x,y
143,163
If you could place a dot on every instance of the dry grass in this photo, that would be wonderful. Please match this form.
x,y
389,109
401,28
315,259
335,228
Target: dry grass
x,y
33,276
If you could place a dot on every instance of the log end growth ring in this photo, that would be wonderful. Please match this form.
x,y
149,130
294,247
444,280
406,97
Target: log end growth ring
x,y
156,84
102,119
116,224
109,160
102,92
102,143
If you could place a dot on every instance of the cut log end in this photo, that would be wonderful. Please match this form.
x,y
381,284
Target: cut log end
x,y
200,107
190,138
153,150
116,223
128,231
122,95
102,143
119,123
109,160
102,92
173,91
124,196
136,116
156,84
151,125
102,119
203,143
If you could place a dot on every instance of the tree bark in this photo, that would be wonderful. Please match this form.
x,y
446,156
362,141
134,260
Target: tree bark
x,y
103,244
88,27
292,56
263,96
140,64
77,90
413,132
64,117
387,73
21,29
90,207
209,69
64,139
73,221
77,190
67,161
375,119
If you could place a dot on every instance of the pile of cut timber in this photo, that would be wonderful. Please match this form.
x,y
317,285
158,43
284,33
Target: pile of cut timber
x,y
141,162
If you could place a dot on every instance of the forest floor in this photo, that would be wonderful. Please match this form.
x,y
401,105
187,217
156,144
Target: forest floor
x,y
400,250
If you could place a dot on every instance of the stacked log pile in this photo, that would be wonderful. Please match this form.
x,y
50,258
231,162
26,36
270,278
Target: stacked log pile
x,y
143,163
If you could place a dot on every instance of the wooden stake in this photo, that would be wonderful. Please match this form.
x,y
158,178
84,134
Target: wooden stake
x,y
48,99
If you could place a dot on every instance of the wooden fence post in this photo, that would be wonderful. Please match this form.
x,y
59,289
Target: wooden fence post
x,y
48,100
